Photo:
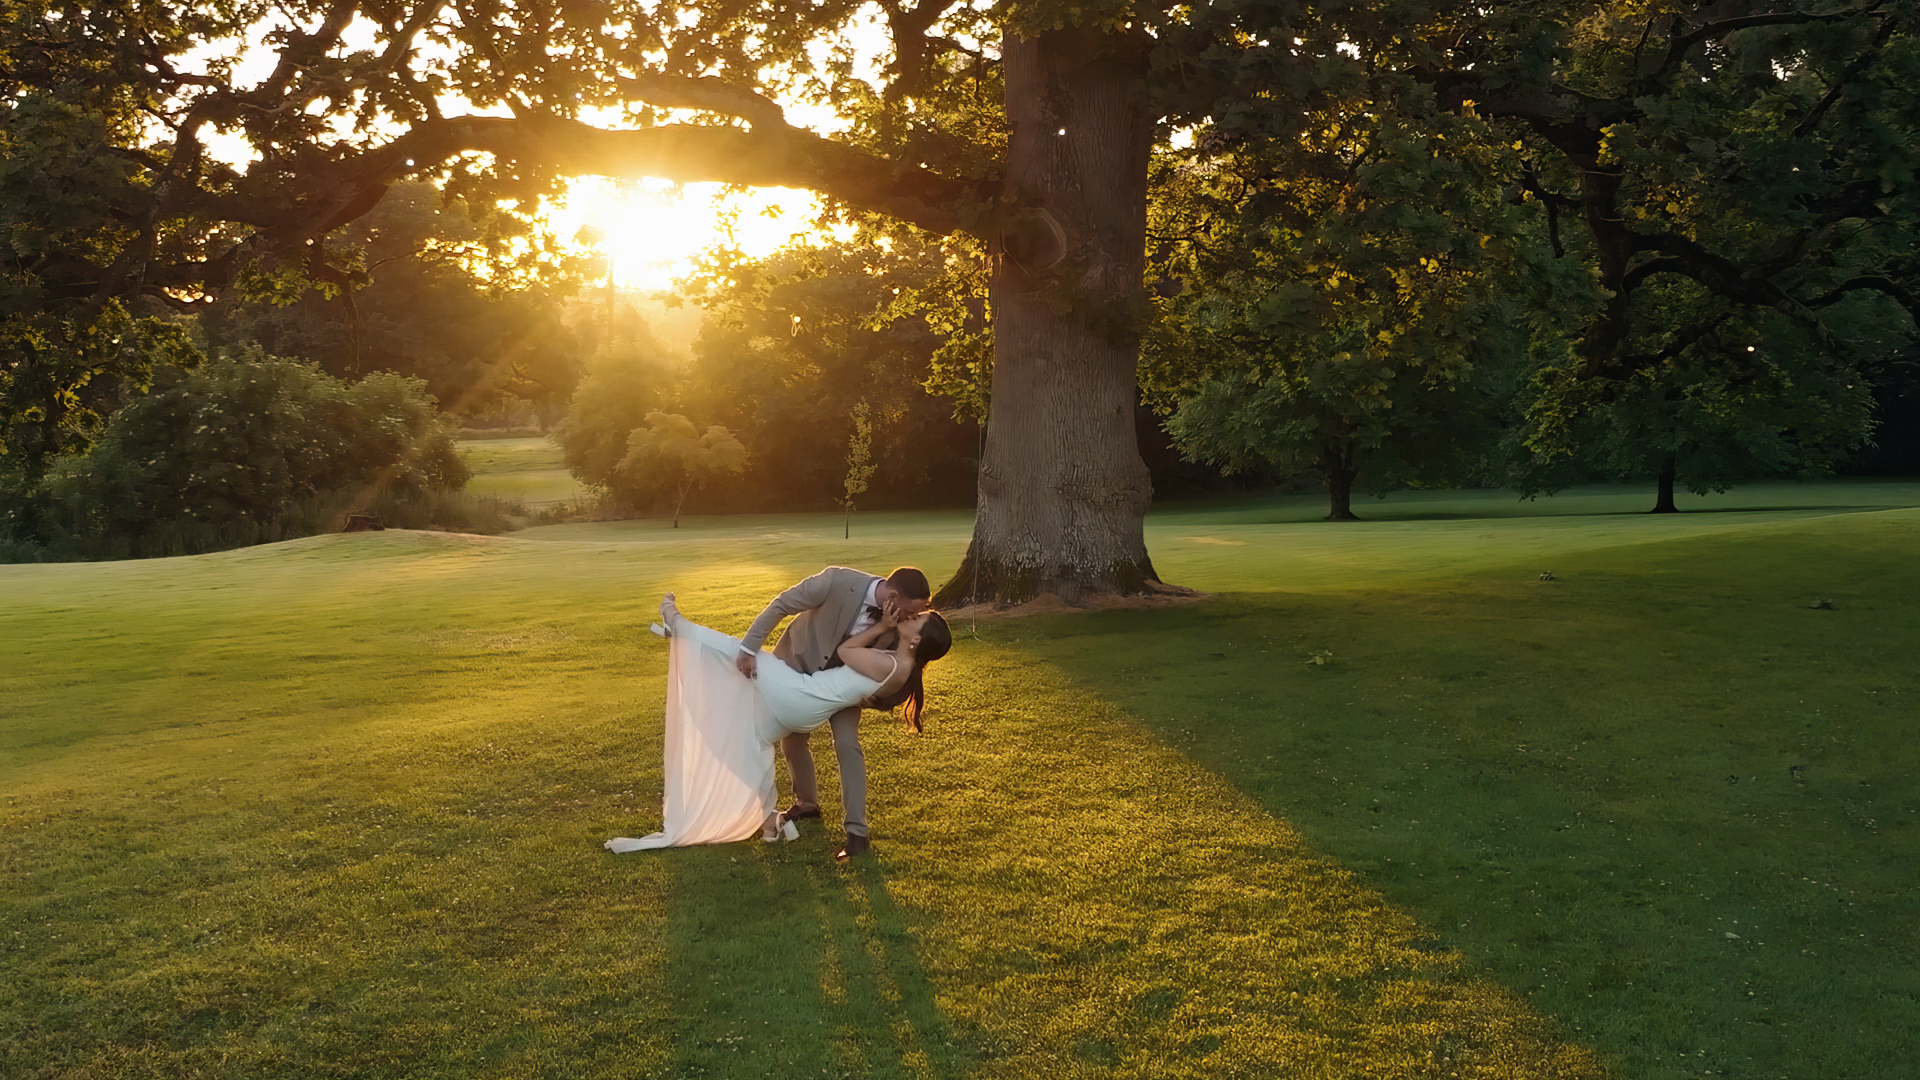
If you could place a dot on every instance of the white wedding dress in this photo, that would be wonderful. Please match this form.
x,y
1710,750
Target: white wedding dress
x,y
721,729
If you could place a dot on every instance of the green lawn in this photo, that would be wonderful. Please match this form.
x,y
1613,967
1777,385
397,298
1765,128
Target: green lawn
x,y
333,807
528,471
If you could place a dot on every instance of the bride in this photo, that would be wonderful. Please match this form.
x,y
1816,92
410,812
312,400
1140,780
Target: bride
x,y
721,729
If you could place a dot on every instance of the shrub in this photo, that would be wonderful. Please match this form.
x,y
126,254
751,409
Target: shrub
x,y
249,448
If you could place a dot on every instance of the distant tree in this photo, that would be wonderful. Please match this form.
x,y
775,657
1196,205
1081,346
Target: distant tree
x,y
1339,301
1724,412
671,455
859,462
627,377
793,341
61,378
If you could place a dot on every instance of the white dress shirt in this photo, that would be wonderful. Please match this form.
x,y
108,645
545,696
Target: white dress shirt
x,y
864,620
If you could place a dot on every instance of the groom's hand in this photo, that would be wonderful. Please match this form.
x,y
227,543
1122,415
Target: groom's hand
x,y
745,662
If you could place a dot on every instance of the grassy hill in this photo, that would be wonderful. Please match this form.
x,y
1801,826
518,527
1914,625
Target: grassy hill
x,y
333,807
529,471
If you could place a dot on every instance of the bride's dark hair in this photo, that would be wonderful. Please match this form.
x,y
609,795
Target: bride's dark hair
x,y
935,639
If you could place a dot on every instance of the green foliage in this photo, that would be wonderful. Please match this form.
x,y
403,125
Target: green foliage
x,y
61,183
670,456
860,465
1719,414
1342,301
946,290
238,442
1691,182
627,377
1746,213
805,335
414,305
1687,180
59,377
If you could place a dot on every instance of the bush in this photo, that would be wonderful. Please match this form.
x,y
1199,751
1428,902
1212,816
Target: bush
x,y
248,449
452,510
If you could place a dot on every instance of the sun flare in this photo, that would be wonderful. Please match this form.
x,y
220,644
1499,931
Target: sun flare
x,y
652,230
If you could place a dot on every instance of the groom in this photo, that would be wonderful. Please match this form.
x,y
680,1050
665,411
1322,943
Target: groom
x,y
828,608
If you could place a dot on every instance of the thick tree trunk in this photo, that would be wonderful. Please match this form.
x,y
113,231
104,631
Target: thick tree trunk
x,y
1663,503
1337,461
1062,488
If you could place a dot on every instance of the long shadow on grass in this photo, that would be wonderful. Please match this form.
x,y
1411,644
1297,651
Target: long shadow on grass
x,y
1661,798
786,964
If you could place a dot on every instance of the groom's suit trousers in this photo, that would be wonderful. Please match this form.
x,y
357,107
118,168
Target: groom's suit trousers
x,y
845,726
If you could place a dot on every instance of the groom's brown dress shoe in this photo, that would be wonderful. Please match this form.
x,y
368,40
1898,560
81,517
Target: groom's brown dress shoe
x,y
855,845
801,812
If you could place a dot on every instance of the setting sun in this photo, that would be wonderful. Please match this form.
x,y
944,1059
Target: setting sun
x,y
652,230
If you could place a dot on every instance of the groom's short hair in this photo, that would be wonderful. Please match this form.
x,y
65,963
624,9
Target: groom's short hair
x,y
910,583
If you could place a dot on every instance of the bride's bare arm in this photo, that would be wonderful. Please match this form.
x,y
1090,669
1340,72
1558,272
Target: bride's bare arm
x,y
858,652
876,664
865,638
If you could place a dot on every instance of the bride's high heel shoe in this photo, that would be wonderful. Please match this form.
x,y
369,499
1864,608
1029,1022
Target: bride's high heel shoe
x,y
669,611
778,828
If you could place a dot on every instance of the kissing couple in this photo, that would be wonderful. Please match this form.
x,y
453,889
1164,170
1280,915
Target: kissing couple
x,y
857,641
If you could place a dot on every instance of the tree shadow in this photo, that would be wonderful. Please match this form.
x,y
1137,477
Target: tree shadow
x,y
1574,799
1597,501
783,963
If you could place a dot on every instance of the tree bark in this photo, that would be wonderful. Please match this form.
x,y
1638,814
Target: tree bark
x,y
1663,503
1337,461
1062,488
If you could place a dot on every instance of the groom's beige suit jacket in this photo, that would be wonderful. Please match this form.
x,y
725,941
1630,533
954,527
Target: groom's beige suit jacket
x,y
822,607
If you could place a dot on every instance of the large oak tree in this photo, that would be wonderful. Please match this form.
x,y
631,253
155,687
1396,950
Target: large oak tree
x,y
505,100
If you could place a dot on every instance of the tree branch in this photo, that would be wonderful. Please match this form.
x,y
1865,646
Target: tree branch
x,y
1716,272
1708,31
1565,117
292,216
1853,71
1880,283
706,94
1679,342
302,47
1553,201
912,49
1647,269
402,42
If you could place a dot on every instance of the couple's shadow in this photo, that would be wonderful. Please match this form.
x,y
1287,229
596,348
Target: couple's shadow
x,y
784,963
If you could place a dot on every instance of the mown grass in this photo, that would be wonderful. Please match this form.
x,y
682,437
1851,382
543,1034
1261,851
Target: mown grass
x,y
332,808
1660,796
529,470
